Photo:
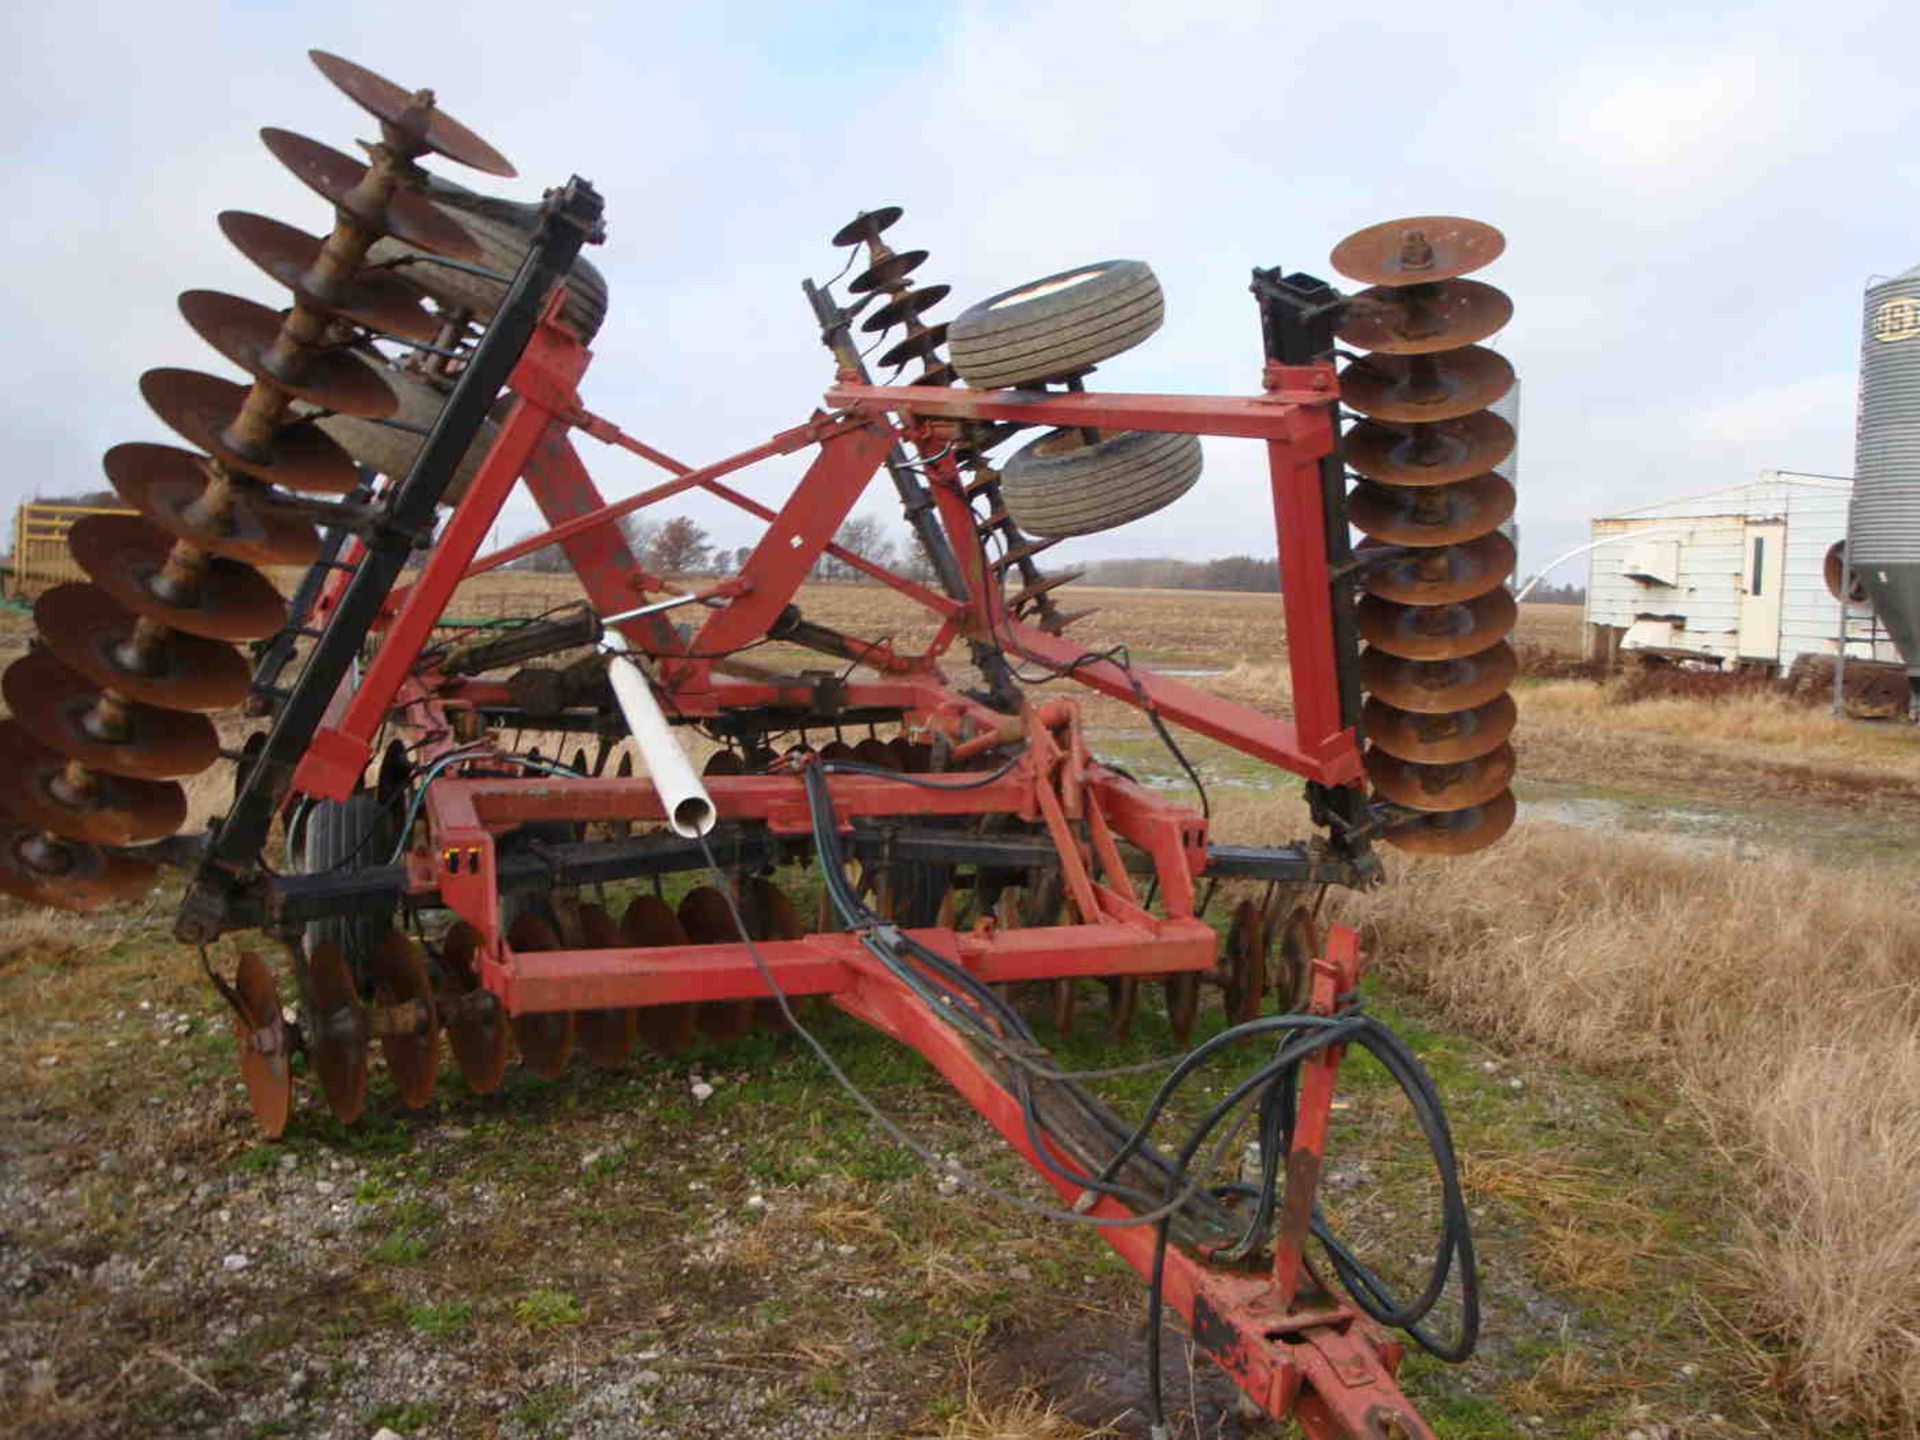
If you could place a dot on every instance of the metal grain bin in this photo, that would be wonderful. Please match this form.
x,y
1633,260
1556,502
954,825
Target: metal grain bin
x,y
1884,532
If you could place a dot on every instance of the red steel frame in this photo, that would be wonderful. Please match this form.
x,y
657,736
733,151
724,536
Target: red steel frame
x,y
1292,1348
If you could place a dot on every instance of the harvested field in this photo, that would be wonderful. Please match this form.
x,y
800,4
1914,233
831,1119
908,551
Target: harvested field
x,y
1674,1016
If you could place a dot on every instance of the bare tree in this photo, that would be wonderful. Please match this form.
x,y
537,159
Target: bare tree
x,y
863,536
641,532
915,562
681,548
549,560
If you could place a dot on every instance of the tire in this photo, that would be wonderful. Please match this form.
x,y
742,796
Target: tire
x,y
502,229
1036,332
357,833
391,451
1059,485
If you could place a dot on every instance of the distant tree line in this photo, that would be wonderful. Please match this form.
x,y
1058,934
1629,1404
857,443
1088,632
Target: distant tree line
x,y
681,546
1568,594
1161,572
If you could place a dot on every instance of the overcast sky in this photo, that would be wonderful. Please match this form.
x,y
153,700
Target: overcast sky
x,y
1693,199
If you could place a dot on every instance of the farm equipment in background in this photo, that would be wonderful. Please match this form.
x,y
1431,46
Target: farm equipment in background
x,y
960,840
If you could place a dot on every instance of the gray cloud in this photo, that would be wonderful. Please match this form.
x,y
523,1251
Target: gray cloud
x,y
1692,202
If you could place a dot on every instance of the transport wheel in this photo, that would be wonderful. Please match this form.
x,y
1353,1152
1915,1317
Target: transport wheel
x,y
390,449
1057,327
343,836
501,230
1065,484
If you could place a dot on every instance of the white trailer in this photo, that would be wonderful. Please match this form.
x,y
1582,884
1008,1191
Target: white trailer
x,y
1736,576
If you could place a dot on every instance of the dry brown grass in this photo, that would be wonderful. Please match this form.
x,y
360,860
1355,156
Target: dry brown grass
x,y
1780,998
1024,1415
1191,629
1746,720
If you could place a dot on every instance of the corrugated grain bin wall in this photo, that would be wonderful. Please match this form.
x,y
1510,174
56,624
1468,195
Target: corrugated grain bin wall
x,y
1884,546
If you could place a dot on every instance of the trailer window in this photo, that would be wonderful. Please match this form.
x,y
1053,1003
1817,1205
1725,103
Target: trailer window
x,y
1759,564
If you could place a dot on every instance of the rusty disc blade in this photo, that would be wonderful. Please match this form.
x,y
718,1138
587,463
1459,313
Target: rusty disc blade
x,y
724,762
399,974
1441,575
406,215
608,1036
836,750
336,1033
918,346
42,789
1438,739
936,375
877,753
245,333
905,307
1183,1004
1420,319
89,631
1458,786
1438,632
476,1023
708,920
867,225
1123,1003
1416,389
62,711
1243,965
44,869
373,299
770,915
1430,514
219,599
1454,832
1428,454
650,921
1417,250
902,749
1437,686
1292,961
885,274
412,114
1063,1000
201,406
260,1034
544,1038
247,523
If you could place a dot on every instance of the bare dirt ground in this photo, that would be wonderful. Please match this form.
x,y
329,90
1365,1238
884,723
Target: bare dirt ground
x,y
718,1245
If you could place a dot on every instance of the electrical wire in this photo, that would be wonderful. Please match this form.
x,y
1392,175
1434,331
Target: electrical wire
x,y
1270,1093
1116,655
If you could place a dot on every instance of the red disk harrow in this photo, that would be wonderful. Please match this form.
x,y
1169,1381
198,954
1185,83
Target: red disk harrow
x,y
961,839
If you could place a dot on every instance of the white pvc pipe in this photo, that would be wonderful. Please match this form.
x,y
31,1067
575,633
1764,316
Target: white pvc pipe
x,y
689,808
1619,535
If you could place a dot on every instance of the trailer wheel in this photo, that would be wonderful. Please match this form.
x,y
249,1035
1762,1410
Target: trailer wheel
x,y
1062,484
1053,328
389,446
502,229
342,836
